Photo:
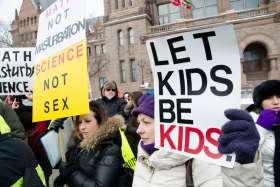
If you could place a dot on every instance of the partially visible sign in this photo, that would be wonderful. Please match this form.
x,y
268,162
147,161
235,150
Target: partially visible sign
x,y
50,142
16,71
197,76
61,78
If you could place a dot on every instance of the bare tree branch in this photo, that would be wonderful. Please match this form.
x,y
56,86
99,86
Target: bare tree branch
x,y
100,63
5,36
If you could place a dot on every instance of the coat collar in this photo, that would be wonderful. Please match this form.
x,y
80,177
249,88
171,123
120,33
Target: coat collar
x,y
161,159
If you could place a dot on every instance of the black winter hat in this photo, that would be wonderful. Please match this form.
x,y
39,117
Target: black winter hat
x,y
265,90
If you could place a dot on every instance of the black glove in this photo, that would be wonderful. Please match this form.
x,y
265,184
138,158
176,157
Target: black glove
x,y
57,124
240,136
65,173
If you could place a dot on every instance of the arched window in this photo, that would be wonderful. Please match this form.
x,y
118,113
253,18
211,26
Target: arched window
x,y
255,52
255,61
120,37
130,36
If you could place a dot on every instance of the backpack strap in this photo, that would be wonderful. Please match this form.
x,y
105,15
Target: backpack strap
x,y
189,177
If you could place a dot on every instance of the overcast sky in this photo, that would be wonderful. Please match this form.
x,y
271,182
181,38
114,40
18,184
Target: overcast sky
x,y
7,9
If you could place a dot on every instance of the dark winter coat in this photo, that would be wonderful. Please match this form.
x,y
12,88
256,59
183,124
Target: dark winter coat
x,y
99,160
25,115
113,106
17,161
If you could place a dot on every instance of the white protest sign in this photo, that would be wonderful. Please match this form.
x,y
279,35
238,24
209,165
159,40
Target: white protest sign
x,y
196,77
16,71
60,74
50,142
60,25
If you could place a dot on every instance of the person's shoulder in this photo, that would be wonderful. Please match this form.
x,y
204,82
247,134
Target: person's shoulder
x,y
108,147
120,100
12,140
112,148
2,106
18,146
99,100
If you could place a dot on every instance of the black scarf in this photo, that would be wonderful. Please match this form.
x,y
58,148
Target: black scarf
x,y
276,162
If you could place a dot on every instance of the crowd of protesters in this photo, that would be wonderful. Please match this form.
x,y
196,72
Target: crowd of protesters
x,y
98,155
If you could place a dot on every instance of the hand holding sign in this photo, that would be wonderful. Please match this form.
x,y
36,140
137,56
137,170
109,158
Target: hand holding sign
x,y
239,136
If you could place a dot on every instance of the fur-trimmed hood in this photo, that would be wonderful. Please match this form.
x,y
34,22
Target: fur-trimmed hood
x,y
106,131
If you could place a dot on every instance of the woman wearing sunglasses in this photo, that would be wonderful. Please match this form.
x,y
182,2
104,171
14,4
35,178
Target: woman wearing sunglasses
x,y
110,100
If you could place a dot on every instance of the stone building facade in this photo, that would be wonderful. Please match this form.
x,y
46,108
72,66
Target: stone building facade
x,y
24,26
127,24
116,42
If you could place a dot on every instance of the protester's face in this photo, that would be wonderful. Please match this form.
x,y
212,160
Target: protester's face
x,y
146,129
272,102
87,125
109,93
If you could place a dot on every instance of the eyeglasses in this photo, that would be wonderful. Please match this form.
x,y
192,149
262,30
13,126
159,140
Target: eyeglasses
x,y
109,89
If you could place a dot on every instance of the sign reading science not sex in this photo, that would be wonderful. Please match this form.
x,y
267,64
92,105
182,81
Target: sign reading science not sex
x,y
196,77
60,73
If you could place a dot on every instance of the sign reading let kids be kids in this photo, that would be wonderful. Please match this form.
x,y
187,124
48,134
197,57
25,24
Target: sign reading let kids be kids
x,y
196,77
60,73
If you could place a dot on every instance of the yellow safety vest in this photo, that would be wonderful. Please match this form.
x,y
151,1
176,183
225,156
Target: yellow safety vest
x,y
40,173
4,127
127,154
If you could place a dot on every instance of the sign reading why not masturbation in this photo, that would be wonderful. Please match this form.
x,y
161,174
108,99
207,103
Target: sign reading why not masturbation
x,y
196,77
16,71
60,74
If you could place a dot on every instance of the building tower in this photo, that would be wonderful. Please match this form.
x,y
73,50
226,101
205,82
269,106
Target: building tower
x,y
24,27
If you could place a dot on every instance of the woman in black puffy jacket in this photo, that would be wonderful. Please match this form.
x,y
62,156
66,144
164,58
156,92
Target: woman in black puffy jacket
x,y
94,158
